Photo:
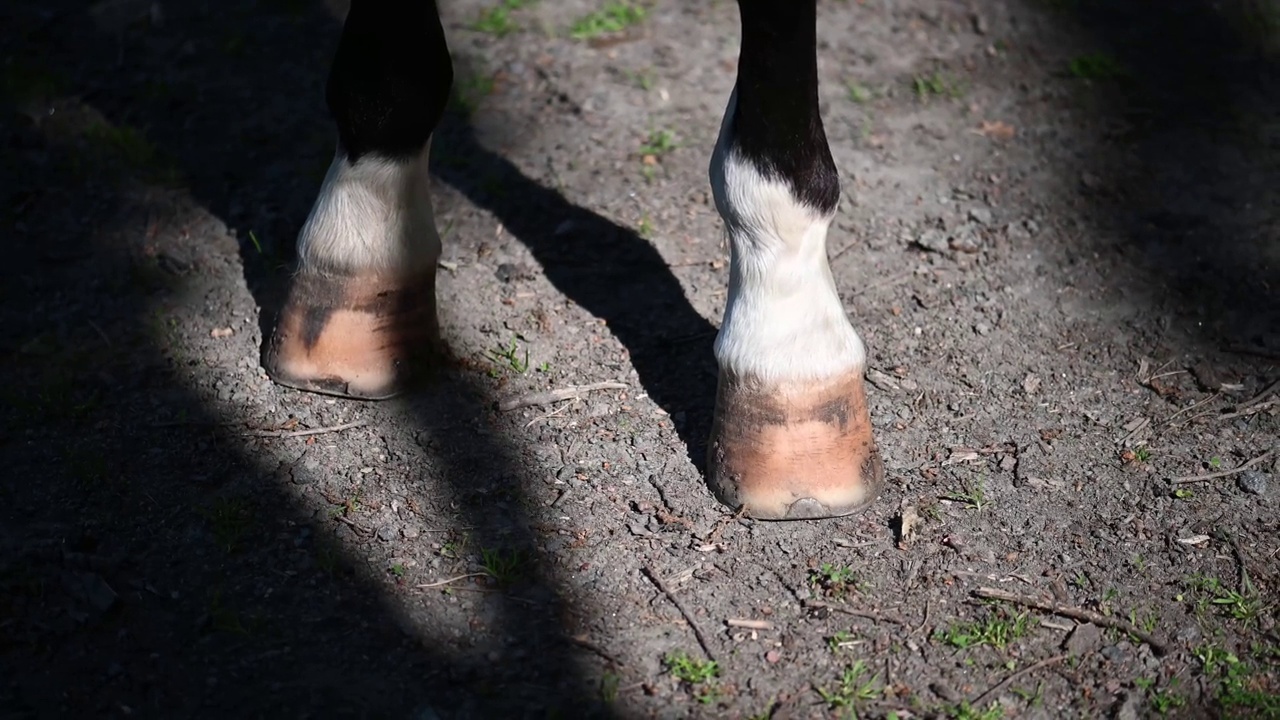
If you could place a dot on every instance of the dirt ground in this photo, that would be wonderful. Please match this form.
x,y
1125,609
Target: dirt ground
x,y
1059,238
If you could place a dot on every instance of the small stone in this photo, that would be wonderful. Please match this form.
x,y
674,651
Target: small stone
x,y
980,215
965,239
982,328
933,240
1114,653
386,533
409,533
1127,709
1189,634
944,691
1253,482
1084,639
772,656
639,530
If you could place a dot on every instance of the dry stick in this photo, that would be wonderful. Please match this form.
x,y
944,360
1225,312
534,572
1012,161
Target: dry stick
x,y
749,624
1158,646
551,396
868,614
688,616
450,580
1193,406
304,433
1186,479
1009,680
1252,410
1260,396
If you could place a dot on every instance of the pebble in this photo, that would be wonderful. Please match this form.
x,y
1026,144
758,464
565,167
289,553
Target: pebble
x,y
933,240
980,215
1253,482
1114,653
386,533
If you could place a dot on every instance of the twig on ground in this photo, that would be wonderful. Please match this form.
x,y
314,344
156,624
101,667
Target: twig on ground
x,y
1253,410
1253,405
1223,473
688,616
868,614
978,701
547,397
749,624
1158,646
586,644
353,524
920,628
1193,406
1260,396
549,415
442,583
1142,425
304,433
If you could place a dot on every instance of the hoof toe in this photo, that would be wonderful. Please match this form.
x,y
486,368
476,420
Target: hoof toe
x,y
794,451
359,336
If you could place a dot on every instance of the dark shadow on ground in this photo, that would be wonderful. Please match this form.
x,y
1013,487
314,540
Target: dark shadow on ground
x,y
605,268
1192,183
226,598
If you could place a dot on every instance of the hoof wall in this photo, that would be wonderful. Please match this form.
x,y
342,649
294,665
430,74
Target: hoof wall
x,y
794,451
367,337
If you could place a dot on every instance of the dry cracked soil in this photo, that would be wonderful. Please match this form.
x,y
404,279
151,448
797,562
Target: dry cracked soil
x,y
1058,236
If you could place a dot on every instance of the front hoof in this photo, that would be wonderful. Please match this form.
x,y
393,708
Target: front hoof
x,y
365,336
793,451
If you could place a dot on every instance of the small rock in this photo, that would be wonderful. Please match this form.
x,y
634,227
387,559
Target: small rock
x,y
409,533
982,328
1083,640
386,533
639,530
1031,384
945,691
772,656
1253,482
1114,653
980,215
964,239
933,240
881,380
1127,708
1206,376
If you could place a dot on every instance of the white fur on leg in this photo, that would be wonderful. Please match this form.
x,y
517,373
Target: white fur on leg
x,y
372,215
784,320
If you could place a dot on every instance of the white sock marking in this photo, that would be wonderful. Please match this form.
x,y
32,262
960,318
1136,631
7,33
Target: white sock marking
x,y
373,215
784,320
